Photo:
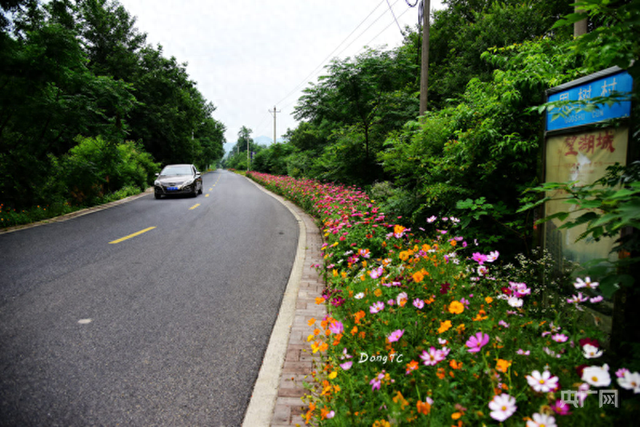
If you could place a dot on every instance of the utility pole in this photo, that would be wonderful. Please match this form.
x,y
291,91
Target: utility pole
x,y
424,69
248,157
580,27
274,122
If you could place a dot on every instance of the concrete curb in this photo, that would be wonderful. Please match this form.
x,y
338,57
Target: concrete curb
x,y
265,391
276,396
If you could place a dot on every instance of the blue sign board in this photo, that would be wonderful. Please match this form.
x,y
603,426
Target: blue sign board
x,y
620,82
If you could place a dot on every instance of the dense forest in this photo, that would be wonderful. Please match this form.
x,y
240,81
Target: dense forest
x,y
478,147
89,108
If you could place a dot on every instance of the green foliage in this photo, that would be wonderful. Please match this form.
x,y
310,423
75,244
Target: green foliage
x,y
81,68
95,168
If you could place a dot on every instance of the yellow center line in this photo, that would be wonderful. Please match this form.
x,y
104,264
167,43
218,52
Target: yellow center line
x,y
194,206
131,235
206,195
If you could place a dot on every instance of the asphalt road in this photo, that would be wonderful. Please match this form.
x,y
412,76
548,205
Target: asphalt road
x,y
167,328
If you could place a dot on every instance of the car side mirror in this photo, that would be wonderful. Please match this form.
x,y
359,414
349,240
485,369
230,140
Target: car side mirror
x,y
157,174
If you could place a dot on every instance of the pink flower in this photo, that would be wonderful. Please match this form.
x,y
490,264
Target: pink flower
x,y
620,372
376,307
431,219
376,273
336,327
577,298
346,365
503,324
395,335
434,356
542,383
502,407
521,352
418,303
560,338
476,342
596,300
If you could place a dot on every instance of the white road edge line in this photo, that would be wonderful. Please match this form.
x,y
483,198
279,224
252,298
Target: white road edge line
x,y
265,392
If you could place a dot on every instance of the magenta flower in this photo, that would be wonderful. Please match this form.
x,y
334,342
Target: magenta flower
x,y
376,307
561,407
395,335
479,258
476,342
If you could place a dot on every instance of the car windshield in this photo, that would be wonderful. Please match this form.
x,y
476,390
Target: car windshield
x,y
176,170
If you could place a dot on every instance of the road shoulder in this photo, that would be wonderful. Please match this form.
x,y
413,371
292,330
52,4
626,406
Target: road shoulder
x,y
287,363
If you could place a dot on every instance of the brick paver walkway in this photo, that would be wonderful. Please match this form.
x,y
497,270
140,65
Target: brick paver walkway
x,y
298,363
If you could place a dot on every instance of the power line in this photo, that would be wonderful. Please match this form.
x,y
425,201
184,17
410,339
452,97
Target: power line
x,y
305,80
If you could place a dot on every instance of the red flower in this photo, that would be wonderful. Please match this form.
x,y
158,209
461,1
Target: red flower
x,y
585,341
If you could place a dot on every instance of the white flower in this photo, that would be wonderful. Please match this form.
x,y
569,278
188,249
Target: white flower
x,y
541,420
597,376
596,300
630,381
591,351
586,283
502,407
431,219
543,383
515,302
493,256
359,295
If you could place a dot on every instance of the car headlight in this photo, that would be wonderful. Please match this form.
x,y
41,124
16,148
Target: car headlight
x,y
156,183
186,184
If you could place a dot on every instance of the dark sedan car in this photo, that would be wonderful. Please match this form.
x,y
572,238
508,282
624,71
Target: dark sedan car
x,y
178,179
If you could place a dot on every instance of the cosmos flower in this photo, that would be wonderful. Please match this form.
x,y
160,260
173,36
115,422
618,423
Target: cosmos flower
x,y
559,338
476,342
502,407
336,327
542,420
542,383
630,381
591,352
434,356
418,303
492,256
431,219
560,407
376,307
586,283
395,335
597,376
359,295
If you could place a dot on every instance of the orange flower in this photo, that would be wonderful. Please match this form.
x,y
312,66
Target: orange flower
x,y
455,365
444,326
456,415
423,407
412,366
489,300
426,248
311,321
440,373
429,301
316,331
401,399
404,255
319,300
456,307
359,315
418,277
354,330
453,242
460,328
377,292
502,365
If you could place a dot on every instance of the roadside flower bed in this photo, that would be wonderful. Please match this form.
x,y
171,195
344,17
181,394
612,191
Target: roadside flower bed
x,y
427,332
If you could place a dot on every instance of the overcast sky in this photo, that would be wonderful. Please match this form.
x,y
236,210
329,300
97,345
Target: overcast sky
x,y
249,56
